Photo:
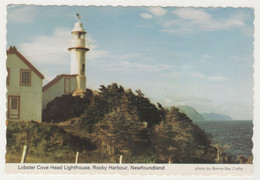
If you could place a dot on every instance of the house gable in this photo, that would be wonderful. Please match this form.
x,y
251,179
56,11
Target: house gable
x,y
13,50
56,79
63,84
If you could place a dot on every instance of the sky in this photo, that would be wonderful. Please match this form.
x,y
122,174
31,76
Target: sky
x,y
202,57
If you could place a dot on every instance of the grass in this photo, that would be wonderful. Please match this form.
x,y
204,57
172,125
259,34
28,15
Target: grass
x,y
46,143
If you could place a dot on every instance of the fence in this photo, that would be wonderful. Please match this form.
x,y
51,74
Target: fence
x,y
23,158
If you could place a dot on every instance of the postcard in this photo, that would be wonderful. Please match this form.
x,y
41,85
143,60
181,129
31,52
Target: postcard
x,y
129,90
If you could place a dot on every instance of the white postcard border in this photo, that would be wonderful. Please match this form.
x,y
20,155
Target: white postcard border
x,y
202,3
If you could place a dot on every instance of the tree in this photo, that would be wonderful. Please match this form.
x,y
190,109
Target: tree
x,y
63,108
109,98
121,132
176,139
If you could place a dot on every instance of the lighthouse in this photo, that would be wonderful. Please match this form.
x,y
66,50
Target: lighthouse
x,y
78,51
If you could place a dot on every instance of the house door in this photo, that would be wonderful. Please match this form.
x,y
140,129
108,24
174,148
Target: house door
x,y
13,107
66,85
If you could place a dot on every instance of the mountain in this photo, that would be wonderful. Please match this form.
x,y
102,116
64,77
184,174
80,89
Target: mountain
x,y
191,113
215,116
195,116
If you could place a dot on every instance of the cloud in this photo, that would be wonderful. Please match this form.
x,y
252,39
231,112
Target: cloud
x,y
215,86
197,75
157,11
96,54
217,78
124,64
48,53
192,14
245,59
24,14
146,16
185,100
188,20
206,56
147,67
205,59
185,70
210,78
48,49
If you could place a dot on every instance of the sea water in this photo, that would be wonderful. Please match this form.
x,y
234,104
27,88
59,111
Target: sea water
x,y
236,134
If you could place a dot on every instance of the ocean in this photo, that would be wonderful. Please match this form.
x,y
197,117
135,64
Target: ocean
x,y
236,134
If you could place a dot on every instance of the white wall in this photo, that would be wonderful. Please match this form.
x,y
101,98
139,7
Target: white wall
x,y
30,96
77,58
57,90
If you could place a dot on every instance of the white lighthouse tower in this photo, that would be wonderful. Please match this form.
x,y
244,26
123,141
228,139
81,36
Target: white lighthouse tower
x,y
78,51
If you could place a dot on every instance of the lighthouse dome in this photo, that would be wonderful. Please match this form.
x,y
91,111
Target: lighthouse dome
x,y
78,28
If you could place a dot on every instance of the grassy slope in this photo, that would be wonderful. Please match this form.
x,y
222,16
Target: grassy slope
x,y
46,143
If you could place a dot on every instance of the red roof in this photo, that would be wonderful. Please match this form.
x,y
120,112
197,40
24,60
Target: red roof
x,y
56,79
13,50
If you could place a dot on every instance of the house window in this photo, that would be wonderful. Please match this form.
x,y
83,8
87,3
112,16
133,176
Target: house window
x,y
8,76
14,103
25,77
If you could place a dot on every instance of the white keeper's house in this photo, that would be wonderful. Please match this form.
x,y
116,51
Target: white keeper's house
x,y
24,88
